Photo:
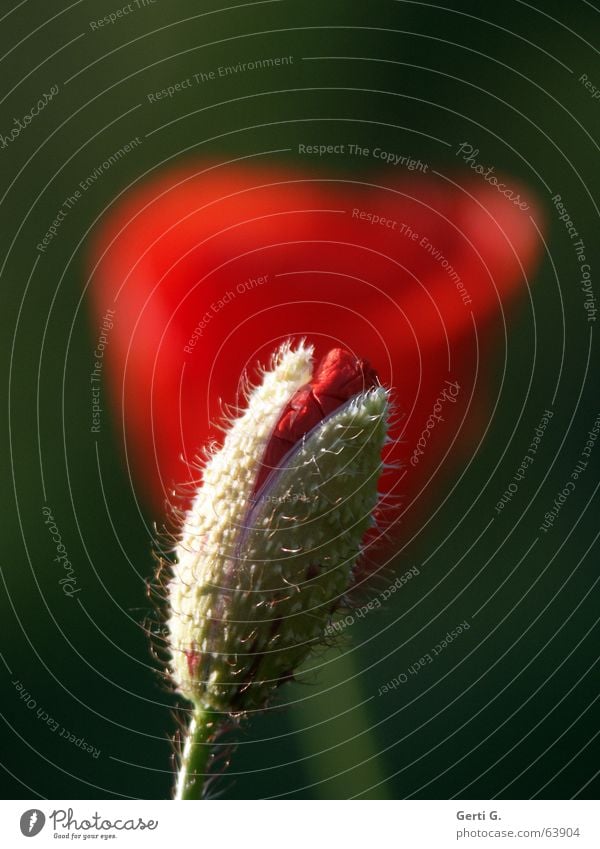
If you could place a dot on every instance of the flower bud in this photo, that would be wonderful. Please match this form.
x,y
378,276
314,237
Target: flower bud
x,y
260,571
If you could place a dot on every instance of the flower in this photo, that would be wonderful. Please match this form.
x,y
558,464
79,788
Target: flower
x,y
260,571
266,553
209,266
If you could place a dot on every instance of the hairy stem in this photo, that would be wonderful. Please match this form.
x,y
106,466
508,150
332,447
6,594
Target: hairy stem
x,y
196,754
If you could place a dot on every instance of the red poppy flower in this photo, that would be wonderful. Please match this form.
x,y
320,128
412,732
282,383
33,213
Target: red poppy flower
x,y
210,267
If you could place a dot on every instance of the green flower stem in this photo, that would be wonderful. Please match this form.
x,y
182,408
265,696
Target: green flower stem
x,y
196,754
343,752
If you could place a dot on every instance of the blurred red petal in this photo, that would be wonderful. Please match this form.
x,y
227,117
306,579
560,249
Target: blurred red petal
x,y
209,268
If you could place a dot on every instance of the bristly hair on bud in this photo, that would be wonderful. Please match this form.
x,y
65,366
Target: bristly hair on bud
x,y
267,550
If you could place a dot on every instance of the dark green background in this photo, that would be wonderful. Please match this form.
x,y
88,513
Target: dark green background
x,y
513,699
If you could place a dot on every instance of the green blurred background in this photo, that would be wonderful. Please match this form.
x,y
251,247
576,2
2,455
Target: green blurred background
x,y
510,709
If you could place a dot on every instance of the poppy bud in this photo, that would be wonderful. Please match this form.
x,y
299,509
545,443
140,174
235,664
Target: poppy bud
x,y
259,572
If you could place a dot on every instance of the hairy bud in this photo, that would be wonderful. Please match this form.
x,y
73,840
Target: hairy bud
x,y
262,566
